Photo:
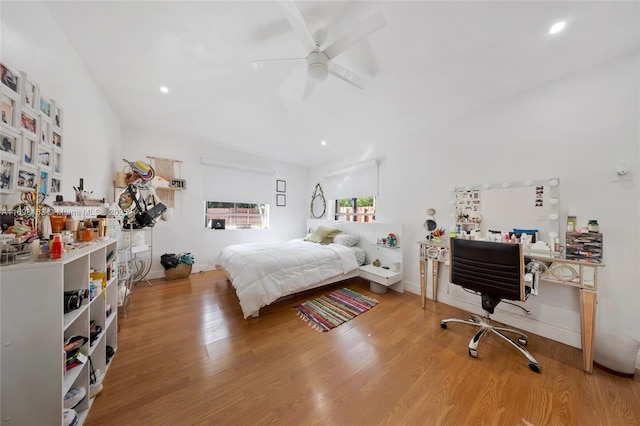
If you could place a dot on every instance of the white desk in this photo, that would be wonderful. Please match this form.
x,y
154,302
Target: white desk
x,y
574,273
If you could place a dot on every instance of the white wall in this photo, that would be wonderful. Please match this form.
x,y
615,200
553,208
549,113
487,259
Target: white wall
x,y
32,42
577,129
185,232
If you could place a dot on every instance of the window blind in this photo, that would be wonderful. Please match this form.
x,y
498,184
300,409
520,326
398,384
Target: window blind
x,y
358,180
236,183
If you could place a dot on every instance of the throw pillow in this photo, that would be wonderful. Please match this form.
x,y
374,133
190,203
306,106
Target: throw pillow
x,y
323,235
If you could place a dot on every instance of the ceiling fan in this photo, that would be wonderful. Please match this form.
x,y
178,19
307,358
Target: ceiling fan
x,y
320,62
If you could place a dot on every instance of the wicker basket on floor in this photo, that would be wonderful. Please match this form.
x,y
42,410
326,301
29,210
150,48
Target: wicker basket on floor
x,y
181,271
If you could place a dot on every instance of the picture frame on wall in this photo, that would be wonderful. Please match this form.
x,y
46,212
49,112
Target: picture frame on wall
x,y
43,182
10,110
26,180
57,162
10,142
45,159
28,150
55,186
45,130
8,168
29,122
56,139
281,185
29,92
45,106
57,115
10,77
281,200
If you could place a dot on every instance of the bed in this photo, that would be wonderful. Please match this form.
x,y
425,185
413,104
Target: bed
x,y
262,273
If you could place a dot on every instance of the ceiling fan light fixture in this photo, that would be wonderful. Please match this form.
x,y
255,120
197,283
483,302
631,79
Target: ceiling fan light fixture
x,y
317,66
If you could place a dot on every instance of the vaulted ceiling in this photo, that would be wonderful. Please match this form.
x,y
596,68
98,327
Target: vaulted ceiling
x,y
431,61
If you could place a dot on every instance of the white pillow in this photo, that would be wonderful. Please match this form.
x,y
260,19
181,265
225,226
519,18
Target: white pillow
x,y
348,240
360,255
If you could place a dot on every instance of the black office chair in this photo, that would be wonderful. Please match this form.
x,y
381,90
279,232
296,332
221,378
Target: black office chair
x,y
496,271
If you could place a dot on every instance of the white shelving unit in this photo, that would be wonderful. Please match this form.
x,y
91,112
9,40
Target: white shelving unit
x,y
34,327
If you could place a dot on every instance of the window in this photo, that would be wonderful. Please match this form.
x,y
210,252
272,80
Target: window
x,y
237,215
361,209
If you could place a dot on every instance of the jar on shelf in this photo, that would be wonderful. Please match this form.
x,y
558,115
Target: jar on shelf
x,y
593,226
571,223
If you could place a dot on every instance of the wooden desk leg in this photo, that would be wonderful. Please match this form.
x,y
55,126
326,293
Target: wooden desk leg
x,y
587,325
434,279
423,281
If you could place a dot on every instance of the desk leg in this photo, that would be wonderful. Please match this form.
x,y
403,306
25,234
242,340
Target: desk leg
x,y
434,279
423,281
587,325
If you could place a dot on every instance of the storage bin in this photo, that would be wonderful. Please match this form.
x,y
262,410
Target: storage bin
x,y
181,271
616,353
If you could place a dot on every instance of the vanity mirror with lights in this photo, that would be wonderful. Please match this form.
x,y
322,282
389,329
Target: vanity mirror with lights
x,y
489,211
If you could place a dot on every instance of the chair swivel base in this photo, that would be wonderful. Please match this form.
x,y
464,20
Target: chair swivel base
x,y
487,327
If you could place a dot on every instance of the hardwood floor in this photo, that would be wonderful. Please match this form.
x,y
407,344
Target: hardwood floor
x,y
187,357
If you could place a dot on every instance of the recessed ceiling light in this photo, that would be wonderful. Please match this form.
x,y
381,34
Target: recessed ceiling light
x,y
323,143
164,89
557,27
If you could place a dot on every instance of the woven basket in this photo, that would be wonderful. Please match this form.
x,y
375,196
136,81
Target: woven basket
x,y
181,271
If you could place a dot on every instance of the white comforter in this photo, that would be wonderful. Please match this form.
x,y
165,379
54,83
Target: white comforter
x,y
264,272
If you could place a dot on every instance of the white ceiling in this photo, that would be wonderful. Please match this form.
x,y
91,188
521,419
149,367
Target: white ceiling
x,y
432,61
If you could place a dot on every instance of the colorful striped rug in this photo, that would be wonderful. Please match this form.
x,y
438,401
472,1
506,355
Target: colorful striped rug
x,y
337,307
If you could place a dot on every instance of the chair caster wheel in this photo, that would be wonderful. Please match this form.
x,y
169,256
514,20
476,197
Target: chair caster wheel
x,y
443,324
534,367
523,341
473,353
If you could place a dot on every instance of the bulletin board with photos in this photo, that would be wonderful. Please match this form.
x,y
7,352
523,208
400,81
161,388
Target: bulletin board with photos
x,y
31,136
468,206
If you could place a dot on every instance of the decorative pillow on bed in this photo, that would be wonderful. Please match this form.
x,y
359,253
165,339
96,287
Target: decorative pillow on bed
x,y
347,240
323,235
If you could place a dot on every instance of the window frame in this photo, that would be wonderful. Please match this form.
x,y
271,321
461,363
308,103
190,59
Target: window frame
x,y
344,217
232,224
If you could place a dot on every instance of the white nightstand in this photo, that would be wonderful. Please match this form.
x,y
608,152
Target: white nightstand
x,y
379,278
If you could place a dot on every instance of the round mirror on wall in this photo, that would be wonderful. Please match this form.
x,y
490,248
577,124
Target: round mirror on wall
x,y
318,203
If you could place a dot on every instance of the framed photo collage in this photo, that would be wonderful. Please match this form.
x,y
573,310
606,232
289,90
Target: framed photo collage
x,y
31,137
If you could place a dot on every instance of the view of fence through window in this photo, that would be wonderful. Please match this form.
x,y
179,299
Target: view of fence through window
x,y
237,215
361,209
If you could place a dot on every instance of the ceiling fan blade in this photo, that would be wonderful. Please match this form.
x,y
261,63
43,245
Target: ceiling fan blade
x,y
293,15
259,63
369,26
346,75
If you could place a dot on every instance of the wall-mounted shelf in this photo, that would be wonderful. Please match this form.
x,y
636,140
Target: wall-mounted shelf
x,y
386,246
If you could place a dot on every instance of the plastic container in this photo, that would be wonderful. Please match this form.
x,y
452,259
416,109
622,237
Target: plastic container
x,y
56,247
57,222
616,353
